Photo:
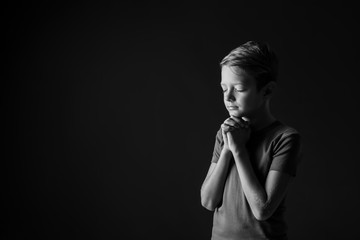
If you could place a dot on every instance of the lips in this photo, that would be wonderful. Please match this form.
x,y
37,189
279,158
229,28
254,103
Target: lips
x,y
230,108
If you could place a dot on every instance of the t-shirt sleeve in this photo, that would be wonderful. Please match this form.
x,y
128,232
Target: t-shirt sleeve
x,y
287,153
218,147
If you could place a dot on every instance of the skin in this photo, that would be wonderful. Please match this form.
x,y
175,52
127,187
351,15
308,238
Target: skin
x,y
249,111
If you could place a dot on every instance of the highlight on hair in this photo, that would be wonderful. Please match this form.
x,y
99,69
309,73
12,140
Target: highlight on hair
x,y
255,58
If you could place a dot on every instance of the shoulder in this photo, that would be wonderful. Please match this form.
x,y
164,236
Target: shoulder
x,y
276,136
285,135
282,130
277,130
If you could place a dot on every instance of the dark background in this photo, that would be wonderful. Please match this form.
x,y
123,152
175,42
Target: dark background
x,y
111,114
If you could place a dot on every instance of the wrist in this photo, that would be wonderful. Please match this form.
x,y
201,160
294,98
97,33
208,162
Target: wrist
x,y
226,151
240,149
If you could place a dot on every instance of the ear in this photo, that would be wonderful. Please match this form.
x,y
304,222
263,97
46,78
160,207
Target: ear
x,y
269,88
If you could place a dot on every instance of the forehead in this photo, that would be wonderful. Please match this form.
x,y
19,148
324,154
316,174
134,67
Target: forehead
x,y
235,75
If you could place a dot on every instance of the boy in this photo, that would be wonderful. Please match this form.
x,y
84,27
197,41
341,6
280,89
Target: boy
x,y
255,155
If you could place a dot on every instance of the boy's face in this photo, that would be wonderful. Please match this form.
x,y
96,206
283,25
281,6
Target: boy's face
x,y
241,97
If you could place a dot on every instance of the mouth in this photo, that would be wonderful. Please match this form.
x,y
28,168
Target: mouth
x,y
232,107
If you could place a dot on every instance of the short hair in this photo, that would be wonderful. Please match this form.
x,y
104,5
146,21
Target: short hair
x,y
256,59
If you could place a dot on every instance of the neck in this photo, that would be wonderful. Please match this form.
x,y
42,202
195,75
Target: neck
x,y
261,119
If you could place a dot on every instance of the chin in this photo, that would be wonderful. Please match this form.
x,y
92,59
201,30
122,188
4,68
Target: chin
x,y
236,114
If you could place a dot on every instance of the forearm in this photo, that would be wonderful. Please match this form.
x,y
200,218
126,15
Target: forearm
x,y
213,186
255,193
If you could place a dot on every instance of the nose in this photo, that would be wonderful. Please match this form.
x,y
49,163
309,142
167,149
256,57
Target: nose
x,y
228,96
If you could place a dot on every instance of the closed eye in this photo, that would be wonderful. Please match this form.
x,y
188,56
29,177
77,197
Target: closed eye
x,y
239,90
235,89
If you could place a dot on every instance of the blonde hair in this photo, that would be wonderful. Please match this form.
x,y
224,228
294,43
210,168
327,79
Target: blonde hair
x,y
257,59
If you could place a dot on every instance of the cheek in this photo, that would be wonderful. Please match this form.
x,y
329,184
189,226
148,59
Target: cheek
x,y
246,101
242,99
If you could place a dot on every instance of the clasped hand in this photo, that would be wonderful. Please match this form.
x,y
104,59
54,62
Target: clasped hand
x,y
235,133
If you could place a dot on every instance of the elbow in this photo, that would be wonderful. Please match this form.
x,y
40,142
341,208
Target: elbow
x,y
207,203
262,214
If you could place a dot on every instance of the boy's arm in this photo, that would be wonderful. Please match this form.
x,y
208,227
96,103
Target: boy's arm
x,y
213,185
263,201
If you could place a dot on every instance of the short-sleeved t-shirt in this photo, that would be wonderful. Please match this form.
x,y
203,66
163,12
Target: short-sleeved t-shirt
x,y
275,147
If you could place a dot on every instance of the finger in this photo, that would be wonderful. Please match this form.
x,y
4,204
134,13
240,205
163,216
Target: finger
x,y
226,125
241,121
236,119
224,135
246,124
227,128
224,132
232,122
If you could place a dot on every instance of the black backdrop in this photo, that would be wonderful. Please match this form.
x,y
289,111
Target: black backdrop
x,y
111,114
